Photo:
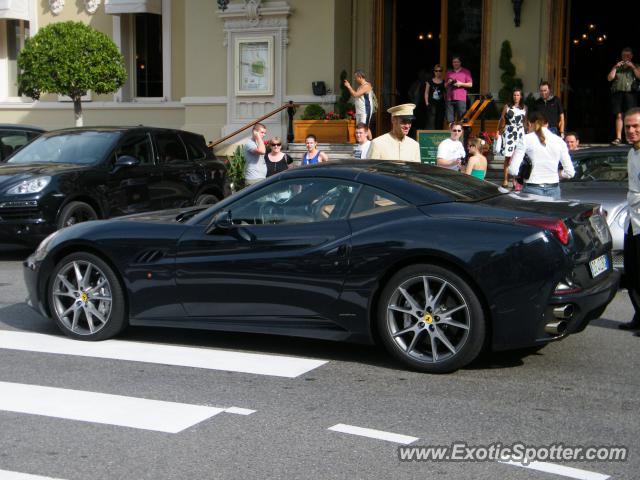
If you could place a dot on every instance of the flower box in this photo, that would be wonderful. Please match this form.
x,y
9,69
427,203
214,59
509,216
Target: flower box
x,y
326,131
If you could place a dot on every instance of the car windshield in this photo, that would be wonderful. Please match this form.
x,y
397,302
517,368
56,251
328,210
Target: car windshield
x,y
601,167
82,147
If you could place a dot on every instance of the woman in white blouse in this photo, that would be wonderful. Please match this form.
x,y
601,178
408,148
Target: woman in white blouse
x,y
545,151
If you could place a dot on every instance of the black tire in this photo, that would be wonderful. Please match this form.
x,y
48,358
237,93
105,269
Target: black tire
x,y
411,327
92,308
207,199
76,212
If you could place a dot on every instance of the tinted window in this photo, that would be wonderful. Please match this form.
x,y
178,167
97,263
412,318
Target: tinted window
x,y
83,147
610,167
195,146
137,146
11,141
458,187
296,201
170,148
371,201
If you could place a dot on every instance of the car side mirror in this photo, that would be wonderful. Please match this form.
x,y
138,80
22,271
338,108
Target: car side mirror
x,y
220,223
127,161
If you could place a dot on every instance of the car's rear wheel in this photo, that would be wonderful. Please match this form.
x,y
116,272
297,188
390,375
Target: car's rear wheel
x,y
85,298
76,212
431,319
207,199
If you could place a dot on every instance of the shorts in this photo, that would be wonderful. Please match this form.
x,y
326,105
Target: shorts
x,y
622,101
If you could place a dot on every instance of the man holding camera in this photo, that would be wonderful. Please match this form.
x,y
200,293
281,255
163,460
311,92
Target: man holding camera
x,y
623,76
457,81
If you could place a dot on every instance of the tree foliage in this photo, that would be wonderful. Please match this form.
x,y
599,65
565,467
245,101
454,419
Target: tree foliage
x,y
70,58
508,77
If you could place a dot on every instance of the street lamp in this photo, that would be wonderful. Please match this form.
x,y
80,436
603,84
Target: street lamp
x,y
222,4
517,7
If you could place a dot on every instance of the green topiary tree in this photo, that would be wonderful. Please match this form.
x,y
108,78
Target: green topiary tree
x,y
343,105
70,58
508,77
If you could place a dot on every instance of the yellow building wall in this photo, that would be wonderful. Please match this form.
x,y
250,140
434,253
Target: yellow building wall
x,y
528,42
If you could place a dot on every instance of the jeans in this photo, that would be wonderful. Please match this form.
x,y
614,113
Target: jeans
x,y
554,130
455,109
553,192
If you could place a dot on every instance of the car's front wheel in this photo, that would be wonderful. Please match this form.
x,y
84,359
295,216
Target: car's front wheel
x,y
86,299
76,212
431,319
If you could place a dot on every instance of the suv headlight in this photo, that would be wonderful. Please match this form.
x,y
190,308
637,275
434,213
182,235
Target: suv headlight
x,y
33,185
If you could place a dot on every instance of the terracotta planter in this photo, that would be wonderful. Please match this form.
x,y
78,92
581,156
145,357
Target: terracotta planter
x,y
326,131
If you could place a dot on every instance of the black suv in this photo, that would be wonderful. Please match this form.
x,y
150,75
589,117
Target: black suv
x,y
73,175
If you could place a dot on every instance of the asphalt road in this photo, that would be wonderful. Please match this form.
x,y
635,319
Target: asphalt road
x,y
583,391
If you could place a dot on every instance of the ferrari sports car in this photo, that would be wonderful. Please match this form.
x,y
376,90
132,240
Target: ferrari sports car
x,y
433,264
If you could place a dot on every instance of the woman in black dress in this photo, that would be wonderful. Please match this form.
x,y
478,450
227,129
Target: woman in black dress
x,y
277,160
434,96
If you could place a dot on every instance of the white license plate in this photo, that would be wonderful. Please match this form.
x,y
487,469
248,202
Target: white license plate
x,y
599,265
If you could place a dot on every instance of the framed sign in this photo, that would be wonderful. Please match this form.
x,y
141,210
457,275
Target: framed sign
x,y
254,66
429,141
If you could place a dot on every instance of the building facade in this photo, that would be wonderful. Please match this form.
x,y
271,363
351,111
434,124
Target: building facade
x,y
191,65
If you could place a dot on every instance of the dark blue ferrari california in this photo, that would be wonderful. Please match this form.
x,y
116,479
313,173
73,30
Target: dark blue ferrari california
x,y
433,264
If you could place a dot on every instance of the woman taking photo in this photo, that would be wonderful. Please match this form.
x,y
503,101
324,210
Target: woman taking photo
x,y
477,163
313,155
277,160
545,150
434,97
511,126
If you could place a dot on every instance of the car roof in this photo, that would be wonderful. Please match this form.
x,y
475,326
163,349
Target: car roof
x,y
622,150
117,129
21,128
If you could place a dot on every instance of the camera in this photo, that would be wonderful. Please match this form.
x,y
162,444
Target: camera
x,y
451,81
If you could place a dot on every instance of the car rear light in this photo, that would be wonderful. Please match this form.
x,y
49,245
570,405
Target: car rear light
x,y
553,225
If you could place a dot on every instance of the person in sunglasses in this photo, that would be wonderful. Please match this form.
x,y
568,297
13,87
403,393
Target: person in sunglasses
x,y
434,97
450,150
277,161
397,145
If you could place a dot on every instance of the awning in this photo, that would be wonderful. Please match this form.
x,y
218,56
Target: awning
x,y
14,9
115,7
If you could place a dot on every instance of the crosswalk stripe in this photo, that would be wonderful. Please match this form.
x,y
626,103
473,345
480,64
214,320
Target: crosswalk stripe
x,y
208,358
372,433
145,414
7,475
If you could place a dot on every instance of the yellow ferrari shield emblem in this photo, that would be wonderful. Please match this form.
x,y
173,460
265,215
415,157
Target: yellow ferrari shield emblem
x,y
84,297
428,319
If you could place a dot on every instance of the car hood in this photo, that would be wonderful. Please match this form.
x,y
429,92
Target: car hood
x,y
12,173
608,194
175,215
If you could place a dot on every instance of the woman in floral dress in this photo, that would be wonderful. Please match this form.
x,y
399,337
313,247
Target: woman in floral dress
x,y
511,126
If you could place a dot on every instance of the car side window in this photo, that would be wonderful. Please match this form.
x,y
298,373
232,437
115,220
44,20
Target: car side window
x,y
604,168
10,142
195,147
296,201
137,146
170,148
372,200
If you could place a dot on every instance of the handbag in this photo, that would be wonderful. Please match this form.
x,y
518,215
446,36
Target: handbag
x,y
497,145
524,172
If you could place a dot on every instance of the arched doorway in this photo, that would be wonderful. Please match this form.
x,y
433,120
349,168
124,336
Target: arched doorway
x,y
593,45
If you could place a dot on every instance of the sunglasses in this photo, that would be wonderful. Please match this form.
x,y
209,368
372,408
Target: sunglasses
x,y
276,144
437,70
456,130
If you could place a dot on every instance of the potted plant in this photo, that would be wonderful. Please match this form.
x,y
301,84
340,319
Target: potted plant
x,y
338,126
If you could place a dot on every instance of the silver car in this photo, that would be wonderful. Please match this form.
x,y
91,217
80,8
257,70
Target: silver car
x,y
601,177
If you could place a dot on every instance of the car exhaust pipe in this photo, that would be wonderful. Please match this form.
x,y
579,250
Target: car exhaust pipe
x,y
556,328
563,311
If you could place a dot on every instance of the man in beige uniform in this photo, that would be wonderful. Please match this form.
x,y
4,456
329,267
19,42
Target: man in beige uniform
x,y
396,145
